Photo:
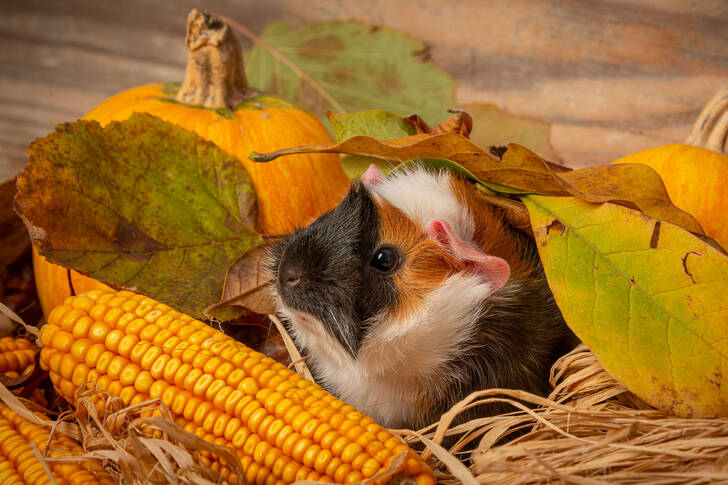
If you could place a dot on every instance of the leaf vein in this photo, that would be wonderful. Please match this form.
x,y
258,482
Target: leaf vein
x,y
137,273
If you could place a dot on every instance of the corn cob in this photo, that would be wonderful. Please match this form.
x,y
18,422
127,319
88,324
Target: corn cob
x,y
16,354
283,427
19,464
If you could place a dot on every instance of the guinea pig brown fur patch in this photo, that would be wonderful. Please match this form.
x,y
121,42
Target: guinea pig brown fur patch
x,y
425,265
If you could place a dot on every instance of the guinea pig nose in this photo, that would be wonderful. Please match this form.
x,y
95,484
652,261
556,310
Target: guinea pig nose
x,y
289,276
292,278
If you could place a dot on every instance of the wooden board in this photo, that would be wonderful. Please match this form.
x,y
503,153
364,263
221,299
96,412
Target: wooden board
x,y
610,77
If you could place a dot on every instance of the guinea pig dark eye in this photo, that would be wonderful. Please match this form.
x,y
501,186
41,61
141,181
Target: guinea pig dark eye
x,y
385,259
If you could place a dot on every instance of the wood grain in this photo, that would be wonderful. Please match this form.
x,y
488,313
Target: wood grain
x,y
611,77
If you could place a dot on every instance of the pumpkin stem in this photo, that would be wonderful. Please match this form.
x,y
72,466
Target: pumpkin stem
x,y
711,128
215,77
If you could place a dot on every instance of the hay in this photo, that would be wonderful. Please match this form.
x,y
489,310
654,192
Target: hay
x,y
141,444
590,430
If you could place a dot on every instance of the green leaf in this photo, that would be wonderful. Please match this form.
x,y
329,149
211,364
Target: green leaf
x,y
353,67
141,204
646,296
378,124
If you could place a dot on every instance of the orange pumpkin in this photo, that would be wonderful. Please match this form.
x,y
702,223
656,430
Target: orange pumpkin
x,y
696,172
215,102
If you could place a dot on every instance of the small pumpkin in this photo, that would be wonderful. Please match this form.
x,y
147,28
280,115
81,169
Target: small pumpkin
x,y
215,102
695,173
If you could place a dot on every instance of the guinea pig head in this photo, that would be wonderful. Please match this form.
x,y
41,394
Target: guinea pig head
x,y
397,250
412,293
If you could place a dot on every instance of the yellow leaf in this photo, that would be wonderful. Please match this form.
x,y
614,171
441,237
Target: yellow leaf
x,y
647,297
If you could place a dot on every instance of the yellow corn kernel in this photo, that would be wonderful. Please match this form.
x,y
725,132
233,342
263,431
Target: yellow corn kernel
x,y
283,427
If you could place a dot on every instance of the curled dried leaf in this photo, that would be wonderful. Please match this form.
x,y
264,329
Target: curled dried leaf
x,y
519,170
246,288
461,123
418,124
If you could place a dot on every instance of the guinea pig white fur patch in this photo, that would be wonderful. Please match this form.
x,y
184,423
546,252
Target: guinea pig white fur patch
x,y
425,195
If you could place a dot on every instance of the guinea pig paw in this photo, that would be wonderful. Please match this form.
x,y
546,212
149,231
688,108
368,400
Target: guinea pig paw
x,y
492,269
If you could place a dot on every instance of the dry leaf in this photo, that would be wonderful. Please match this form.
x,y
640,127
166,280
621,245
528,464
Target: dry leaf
x,y
519,170
417,123
460,124
445,145
247,288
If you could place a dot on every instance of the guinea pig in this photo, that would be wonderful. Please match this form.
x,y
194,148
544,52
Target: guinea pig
x,y
414,292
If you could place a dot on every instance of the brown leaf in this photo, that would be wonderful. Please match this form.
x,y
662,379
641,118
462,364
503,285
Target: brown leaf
x,y
444,145
518,167
247,286
632,185
260,334
460,124
418,124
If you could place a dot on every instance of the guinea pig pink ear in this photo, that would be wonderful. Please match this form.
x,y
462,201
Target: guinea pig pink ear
x,y
492,269
373,175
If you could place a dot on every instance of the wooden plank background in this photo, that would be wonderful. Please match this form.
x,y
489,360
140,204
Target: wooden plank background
x,y
611,77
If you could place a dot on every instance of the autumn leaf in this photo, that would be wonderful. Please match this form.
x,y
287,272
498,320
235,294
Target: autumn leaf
x,y
647,297
246,289
445,145
347,67
519,170
140,204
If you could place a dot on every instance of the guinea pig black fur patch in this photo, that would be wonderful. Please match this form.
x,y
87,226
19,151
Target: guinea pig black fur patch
x,y
331,258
